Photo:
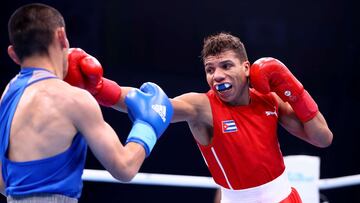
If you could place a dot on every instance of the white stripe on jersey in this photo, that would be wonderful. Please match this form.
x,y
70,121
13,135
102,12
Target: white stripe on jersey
x,y
221,167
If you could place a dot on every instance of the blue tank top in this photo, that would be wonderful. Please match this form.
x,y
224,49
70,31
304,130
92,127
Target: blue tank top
x,y
59,174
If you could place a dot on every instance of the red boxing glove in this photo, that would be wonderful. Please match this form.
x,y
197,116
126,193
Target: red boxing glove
x,y
269,74
74,75
86,72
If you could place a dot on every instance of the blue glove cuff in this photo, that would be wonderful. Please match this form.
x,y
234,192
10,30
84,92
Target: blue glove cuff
x,y
142,133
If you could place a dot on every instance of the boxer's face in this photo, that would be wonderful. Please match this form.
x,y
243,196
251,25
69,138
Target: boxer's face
x,y
227,76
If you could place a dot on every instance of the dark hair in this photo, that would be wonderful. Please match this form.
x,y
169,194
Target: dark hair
x,y
221,42
31,29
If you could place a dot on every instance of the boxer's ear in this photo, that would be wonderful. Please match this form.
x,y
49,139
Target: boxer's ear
x,y
61,36
13,54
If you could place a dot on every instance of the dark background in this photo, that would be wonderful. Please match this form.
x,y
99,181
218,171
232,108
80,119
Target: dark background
x,y
160,41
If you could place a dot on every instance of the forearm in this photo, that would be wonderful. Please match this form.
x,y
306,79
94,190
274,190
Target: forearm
x,y
125,162
315,131
318,132
120,104
133,158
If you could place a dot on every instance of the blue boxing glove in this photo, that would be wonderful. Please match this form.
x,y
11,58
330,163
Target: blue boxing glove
x,y
151,111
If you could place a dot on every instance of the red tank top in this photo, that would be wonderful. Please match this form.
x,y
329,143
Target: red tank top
x,y
245,150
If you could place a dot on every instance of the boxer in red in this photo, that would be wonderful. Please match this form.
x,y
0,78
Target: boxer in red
x,y
235,122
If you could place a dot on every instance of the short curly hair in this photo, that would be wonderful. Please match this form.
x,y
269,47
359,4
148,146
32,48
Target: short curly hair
x,y
221,42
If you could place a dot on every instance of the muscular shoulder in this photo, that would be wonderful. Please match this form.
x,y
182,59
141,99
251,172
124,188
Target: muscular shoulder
x,y
67,95
78,100
54,104
79,106
62,97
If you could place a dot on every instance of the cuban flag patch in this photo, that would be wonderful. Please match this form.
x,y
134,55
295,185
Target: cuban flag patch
x,y
229,126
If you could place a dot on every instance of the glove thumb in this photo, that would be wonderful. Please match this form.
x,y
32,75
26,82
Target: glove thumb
x,y
150,88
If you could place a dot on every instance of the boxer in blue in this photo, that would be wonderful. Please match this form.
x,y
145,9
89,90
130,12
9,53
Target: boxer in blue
x,y
47,124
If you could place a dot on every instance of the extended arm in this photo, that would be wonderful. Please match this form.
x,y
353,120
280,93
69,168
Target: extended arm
x,y
123,162
86,72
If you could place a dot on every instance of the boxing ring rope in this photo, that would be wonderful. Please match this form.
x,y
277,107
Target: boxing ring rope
x,y
199,181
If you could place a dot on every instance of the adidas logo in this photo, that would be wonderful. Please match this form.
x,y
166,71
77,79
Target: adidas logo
x,y
161,110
